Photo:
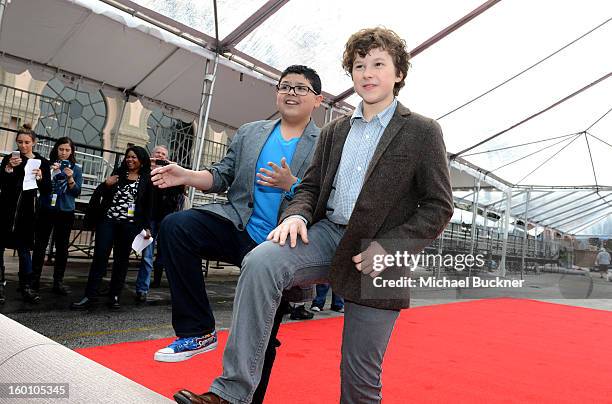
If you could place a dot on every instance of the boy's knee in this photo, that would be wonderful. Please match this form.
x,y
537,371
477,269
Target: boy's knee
x,y
171,225
254,260
262,262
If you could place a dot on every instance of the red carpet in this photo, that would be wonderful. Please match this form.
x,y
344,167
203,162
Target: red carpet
x,y
487,351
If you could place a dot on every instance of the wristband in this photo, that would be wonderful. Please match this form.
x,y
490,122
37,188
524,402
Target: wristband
x,y
291,193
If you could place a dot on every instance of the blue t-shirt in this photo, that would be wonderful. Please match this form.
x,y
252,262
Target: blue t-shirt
x,y
267,200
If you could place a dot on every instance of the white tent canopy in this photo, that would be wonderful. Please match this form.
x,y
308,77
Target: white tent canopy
x,y
107,48
531,77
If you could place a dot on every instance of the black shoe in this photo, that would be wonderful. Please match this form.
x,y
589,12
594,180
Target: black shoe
x,y
113,303
60,289
29,295
84,304
300,313
141,297
339,309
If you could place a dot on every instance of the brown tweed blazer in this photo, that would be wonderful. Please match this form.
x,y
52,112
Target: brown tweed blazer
x,y
406,195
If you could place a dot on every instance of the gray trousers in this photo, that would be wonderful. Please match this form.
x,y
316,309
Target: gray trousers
x,y
266,271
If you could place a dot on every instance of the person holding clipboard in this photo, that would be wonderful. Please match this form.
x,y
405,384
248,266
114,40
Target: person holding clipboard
x,y
24,176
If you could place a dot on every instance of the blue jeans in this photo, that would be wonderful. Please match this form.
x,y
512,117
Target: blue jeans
x,y
143,279
319,301
186,237
118,237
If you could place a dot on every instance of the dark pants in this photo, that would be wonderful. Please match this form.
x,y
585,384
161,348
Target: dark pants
x,y
60,223
25,267
186,237
117,236
322,290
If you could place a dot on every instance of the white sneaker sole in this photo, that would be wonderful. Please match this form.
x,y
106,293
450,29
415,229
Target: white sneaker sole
x,y
182,356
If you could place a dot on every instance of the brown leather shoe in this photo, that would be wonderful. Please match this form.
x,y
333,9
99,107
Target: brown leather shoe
x,y
187,397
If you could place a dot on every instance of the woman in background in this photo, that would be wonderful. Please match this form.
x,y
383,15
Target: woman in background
x,y
57,213
126,202
18,207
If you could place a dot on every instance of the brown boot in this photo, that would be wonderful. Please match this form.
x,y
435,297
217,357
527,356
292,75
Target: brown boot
x,y
187,397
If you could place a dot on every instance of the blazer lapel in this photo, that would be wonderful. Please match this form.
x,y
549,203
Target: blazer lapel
x,y
258,141
339,138
392,129
304,147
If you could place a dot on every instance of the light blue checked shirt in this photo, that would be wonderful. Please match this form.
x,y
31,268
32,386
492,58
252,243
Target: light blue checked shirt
x,y
357,152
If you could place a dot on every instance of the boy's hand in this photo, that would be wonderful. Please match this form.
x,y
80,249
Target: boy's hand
x,y
364,261
292,227
170,176
279,177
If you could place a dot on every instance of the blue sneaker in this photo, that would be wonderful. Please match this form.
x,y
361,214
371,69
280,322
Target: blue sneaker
x,y
184,348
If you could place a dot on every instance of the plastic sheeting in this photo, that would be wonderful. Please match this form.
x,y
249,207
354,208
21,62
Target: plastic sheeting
x,y
510,64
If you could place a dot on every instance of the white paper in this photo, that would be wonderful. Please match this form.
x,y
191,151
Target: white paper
x,y
29,179
140,242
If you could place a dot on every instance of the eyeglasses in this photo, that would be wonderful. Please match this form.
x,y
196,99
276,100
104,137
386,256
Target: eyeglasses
x,y
298,90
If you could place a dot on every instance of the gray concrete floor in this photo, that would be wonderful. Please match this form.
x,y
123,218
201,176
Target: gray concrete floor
x,y
101,326
152,320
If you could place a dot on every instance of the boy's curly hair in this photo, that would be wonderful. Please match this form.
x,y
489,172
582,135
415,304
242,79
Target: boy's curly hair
x,y
363,41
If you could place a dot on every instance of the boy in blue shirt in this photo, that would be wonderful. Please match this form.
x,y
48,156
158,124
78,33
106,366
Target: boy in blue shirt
x,y
263,165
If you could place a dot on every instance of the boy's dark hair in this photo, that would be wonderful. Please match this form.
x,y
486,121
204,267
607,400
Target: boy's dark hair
x,y
363,41
54,152
311,75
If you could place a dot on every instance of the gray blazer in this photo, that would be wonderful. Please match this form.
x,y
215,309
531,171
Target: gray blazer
x,y
235,173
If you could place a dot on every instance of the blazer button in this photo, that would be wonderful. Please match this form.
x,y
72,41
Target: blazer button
x,y
240,227
250,204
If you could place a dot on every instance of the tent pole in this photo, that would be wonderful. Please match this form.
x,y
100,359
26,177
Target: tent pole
x,y
535,241
525,228
474,213
502,265
474,222
2,7
117,128
208,86
440,250
329,113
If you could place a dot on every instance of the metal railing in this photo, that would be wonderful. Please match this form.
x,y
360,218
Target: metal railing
x,y
20,106
489,242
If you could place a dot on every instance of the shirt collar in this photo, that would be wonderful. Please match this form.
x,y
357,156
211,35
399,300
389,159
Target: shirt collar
x,y
384,116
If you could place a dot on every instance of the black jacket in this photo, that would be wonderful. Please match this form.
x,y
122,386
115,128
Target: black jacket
x,y
18,208
166,201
